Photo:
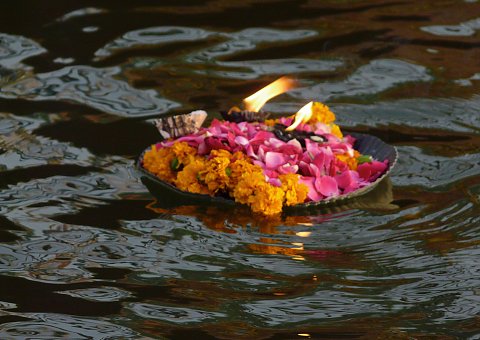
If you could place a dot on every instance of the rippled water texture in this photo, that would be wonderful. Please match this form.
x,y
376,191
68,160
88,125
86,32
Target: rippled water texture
x,y
86,252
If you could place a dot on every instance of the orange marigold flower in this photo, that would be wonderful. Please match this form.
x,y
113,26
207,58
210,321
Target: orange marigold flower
x,y
247,184
351,161
295,192
268,199
321,113
221,153
188,178
262,197
240,167
183,152
239,155
158,162
336,131
216,174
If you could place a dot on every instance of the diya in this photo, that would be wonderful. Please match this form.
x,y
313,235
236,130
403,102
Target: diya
x,y
268,164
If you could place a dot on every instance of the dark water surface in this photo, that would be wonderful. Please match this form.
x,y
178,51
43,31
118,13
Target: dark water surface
x,y
86,252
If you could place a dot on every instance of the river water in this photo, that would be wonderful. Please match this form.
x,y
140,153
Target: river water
x,y
87,252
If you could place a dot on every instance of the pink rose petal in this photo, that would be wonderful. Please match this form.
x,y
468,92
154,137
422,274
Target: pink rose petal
x,y
372,170
276,143
327,186
288,169
241,140
312,195
275,182
295,144
250,152
261,137
259,163
348,180
274,159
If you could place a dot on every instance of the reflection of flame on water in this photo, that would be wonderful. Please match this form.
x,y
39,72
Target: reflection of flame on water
x,y
255,102
302,116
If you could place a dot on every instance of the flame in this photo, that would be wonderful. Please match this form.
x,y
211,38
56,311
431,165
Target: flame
x,y
255,102
302,116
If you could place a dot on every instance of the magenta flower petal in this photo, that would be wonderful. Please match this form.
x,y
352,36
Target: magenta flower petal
x,y
313,195
314,170
261,152
379,167
322,162
287,169
202,148
321,129
251,153
372,170
327,186
348,179
270,173
306,127
215,143
305,169
259,163
287,121
275,182
295,144
338,167
241,140
340,147
261,137
276,143
349,139
312,148
274,159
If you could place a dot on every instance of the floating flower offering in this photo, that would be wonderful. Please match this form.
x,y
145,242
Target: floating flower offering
x,y
266,164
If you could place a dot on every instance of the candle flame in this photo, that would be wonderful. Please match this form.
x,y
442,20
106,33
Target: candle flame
x,y
255,102
302,116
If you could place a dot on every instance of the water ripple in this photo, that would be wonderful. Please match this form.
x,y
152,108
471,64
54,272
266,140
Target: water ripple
x,y
433,171
14,49
247,40
55,326
153,36
256,68
98,294
171,314
452,114
313,308
93,87
464,29
27,152
377,76
81,13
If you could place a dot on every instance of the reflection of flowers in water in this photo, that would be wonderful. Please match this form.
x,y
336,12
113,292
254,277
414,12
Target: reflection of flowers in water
x,y
227,219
